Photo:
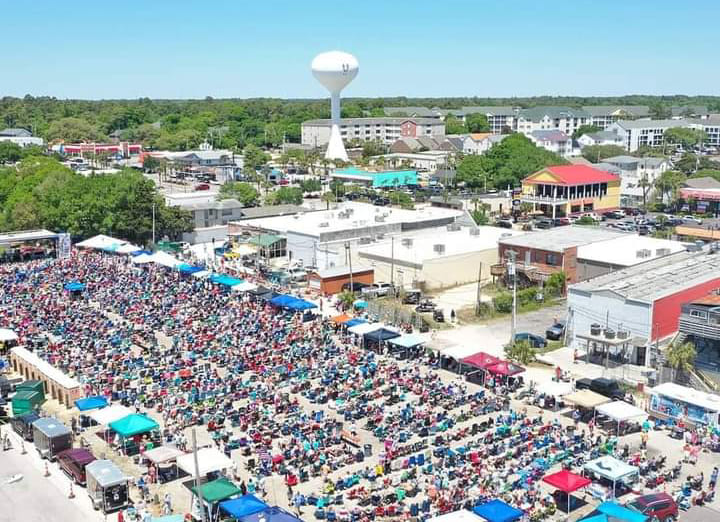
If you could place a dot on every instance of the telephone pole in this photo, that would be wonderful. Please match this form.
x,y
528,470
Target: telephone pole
x,y
478,299
349,258
512,272
392,264
197,477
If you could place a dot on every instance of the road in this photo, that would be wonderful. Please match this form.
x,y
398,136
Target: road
x,y
36,498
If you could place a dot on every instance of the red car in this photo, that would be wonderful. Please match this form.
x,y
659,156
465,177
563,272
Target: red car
x,y
202,186
656,506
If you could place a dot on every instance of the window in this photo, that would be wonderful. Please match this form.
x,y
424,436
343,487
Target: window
x,y
698,313
552,259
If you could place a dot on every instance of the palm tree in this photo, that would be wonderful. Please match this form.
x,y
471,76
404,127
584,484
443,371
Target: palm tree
x,y
644,184
521,352
347,298
681,358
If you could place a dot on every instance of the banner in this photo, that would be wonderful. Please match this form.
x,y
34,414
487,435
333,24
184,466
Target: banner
x,y
64,246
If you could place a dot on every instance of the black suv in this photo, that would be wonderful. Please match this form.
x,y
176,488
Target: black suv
x,y
607,387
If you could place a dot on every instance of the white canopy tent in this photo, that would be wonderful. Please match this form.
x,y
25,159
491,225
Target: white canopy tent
x,y
100,241
245,286
142,259
363,328
209,460
555,389
621,411
110,414
462,515
202,274
163,454
459,352
611,469
7,335
164,259
127,248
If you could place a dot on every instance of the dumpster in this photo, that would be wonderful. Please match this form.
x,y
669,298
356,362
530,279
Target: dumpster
x,y
36,386
22,425
26,401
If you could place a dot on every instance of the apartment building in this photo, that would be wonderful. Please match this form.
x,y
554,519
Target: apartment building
x,y
316,133
565,119
639,133
605,115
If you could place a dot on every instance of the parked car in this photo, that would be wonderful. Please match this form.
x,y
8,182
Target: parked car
x,y
692,219
381,202
556,331
356,286
504,223
377,289
656,506
607,387
438,315
544,223
614,214
73,462
412,296
561,222
535,340
425,306
202,186
297,274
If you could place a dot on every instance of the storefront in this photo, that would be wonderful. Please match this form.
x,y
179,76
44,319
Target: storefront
x,y
672,401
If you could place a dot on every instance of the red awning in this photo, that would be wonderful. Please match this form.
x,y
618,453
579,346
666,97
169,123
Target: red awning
x,y
566,481
481,360
505,368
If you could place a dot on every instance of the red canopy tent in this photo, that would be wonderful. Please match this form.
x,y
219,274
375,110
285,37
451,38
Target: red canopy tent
x,y
481,360
567,482
505,368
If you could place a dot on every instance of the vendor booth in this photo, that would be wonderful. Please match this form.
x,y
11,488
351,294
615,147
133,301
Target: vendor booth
x,y
586,399
614,512
376,339
613,470
406,346
91,403
164,458
271,514
243,506
620,412
213,493
364,328
475,367
107,486
679,403
110,414
497,511
462,515
225,280
210,460
130,428
451,357
567,483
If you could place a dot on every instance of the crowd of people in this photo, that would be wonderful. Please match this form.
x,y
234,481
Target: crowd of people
x,y
352,433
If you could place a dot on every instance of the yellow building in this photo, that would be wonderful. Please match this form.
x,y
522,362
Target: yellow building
x,y
566,190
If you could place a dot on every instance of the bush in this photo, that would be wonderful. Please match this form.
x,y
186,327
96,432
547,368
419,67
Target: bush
x,y
503,302
586,220
527,296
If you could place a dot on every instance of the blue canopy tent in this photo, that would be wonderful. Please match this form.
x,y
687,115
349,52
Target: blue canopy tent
x,y
354,322
184,268
242,506
614,512
272,514
74,286
497,511
283,300
91,403
301,304
225,280
141,252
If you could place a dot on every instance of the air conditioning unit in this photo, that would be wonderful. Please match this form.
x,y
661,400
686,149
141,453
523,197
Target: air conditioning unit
x,y
644,253
365,240
407,242
453,227
379,219
380,236
439,249
324,224
623,334
474,231
662,252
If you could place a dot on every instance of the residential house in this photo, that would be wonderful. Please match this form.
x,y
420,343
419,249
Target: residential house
x,y
637,177
554,141
600,138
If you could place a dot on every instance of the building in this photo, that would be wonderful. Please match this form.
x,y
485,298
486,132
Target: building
x,y
705,192
376,179
566,190
386,130
421,144
564,119
637,177
331,280
646,299
700,324
428,161
643,133
543,253
502,119
325,238
122,149
21,137
689,111
436,258
206,210
554,141
416,112
600,138
603,116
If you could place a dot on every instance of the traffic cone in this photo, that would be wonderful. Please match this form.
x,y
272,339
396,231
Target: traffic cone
x,y
22,447
72,493
47,471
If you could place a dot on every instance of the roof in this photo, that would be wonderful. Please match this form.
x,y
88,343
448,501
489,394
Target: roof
x,y
217,490
264,240
51,427
698,232
242,506
106,473
538,113
15,133
423,112
617,110
497,511
603,136
502,110
628,250
610,467
45,368
26,235
376,121
337,271
709,401
462,515
222,204
651,124
550,135
567,481
422,246
162,454
702,183
133,424
658,278
634,162
559,239
614,512
620,411
271,210
586,399
479,136
691,110
711,299
209,460
571,175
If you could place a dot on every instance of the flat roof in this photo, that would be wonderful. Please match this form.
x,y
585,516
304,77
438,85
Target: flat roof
x,y
26,235
658,278
709,401
559,239
419,247
362,215
337,271
629,250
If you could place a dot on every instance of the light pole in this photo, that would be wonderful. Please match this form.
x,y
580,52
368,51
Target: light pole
x,y
512,272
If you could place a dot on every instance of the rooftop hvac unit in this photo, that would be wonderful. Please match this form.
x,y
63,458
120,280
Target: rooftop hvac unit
x,y
453,227
595,329
324,224
623,334
439,249
407,242
380,236
662,252
379,219
609,333
474,231
643,253
365,240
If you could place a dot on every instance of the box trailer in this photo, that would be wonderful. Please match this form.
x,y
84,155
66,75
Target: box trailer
x,y
51,437
22,425
107,486
26,401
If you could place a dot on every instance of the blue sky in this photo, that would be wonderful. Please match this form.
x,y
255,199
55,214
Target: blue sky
x,y
239,48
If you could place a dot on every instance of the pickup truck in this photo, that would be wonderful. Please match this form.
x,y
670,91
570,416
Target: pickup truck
x,y
607,387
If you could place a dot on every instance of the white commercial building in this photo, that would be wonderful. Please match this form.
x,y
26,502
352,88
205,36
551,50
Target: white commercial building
x,y
436,258
640,133
21,137
637,176
430,160
325,238
316,133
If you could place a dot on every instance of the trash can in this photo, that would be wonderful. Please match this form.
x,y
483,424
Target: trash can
x,y
367,449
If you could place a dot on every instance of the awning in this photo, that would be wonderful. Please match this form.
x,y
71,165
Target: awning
x,y
355,321
209,460
341,319
360,304
567,481
141,252
260,290
301,304
610,468
201,274
586,399
163,454
362,329
555,389
242,506
74,286
225,280
110,414
91,403
100,242
133,424
163,259
271,514
142,259
407,340
481,360
381,334
128,248
614,512
217,490
245,286
497,511
621,411
505,368
282,300
184,268
7,335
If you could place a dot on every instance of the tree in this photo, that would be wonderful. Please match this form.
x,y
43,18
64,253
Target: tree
x,y
151,164
586,220
285,196
454,125
645,186
686,138
667,185
245,193
521,352
597,153
346,298
477,122
585,129
401,198
10,152
471,171
73,130
328,197
480,213
659,111
688,163
681,358
311,185
254,157
373,148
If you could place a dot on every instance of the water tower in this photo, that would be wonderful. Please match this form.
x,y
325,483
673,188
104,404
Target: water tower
x,y
334,70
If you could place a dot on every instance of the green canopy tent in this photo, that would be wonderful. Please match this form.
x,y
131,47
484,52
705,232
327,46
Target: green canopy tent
x,y
215,492
131,425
